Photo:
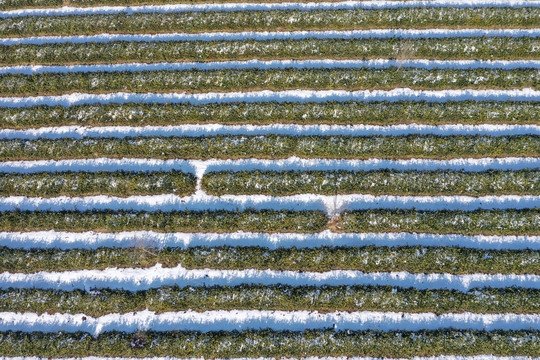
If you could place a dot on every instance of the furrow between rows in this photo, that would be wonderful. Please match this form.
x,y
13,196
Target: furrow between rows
x,y
134,279
256,319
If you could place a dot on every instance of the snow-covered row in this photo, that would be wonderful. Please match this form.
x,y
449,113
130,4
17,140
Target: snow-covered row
x,y
79,132
398,94
260,319
141,279
276,64
199,167
278,35
93,240
330,203
173,8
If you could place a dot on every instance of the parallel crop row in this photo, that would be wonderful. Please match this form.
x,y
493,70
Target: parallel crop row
x,y
331,112
274,79
476,48
99,302
185,221
487,222
273,147
263,343
442,182
342,19
502,222
413,259
118,183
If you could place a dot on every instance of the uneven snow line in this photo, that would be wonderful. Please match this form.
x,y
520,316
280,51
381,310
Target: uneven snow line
x,y
200,167
303,96
276,64
141,279
174,8
329,203
93,240
79,132
277,35
261,319
440,357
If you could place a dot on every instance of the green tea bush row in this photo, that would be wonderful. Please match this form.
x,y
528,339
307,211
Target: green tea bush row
x,y
272,147
273,79
181,221
486,222
377,182
414,259
331,112
270,343
99,302
118,183
474,48
262,20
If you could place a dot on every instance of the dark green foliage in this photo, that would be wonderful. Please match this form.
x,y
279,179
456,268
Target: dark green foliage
x,y
99,302
377,182
487,222
475,48
118,183
332,112
274,79
414,259
263,20
270,343
182,221
272,147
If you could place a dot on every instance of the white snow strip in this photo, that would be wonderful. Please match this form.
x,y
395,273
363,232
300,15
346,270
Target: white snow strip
x,y
141,279
275,64
79,132
293,163
303,96
93,240
216,320
277,35
175,8
329,203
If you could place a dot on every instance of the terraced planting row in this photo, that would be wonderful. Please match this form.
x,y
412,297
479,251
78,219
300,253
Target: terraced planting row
x,y
341,19
272,147
286,79
100,302
259,343
141,49
270,180
366,259
487,222
122,183
263,113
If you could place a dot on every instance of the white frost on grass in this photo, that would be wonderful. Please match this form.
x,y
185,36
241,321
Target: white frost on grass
x,y
93,240
78,132
301,320
175,8
333,204
199,167
141,279
303,96
275,64
277,35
